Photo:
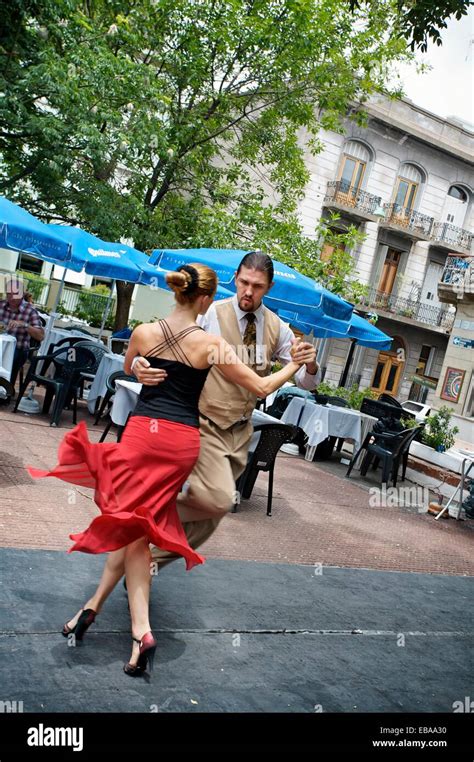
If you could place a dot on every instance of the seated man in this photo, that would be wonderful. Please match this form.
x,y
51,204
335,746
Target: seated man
x,y
21,320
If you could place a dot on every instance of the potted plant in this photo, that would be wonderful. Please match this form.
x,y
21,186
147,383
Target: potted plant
x,y
438,433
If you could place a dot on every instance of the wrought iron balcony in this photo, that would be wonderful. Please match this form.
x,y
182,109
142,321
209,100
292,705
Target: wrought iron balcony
x,y
457,280
412,308
451,237
340,195
413,224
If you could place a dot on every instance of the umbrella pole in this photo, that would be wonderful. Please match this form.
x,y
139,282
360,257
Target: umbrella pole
x,y
107,310
52,316
345,372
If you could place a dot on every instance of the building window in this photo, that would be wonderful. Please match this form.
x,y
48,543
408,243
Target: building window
x,y
389,271
406,190
423,359
352,173
29,264
458,193
455,206
355,159
406,193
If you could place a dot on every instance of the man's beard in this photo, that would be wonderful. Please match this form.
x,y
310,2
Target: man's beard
x,y
247,306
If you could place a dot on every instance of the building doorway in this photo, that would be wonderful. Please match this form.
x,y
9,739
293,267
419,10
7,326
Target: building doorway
x,y
389,368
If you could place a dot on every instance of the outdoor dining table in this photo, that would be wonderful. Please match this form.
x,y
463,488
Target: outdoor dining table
x,y
109,364
126,397
57,334
322,421
7,351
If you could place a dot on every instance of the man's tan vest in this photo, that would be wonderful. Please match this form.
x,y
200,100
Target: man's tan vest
x,y
221,400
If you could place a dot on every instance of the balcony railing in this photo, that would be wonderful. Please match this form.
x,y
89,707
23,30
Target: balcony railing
x,y
444,232
459,273
412,221
429,314
341,192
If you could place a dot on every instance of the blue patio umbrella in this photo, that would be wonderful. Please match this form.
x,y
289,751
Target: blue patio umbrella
x,y
359,329
291,290
103,258
114,260
155,277
21,231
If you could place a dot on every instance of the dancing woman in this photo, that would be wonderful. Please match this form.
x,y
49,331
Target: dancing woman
x,y
137,480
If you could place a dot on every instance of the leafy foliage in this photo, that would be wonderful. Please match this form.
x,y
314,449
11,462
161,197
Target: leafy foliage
x,y
422,20
185,122
438,433
353,394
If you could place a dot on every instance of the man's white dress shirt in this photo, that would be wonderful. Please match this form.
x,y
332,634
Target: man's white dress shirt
x,y
210,323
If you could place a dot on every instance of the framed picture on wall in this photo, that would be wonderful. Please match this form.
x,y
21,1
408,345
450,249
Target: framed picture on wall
x,y
452,385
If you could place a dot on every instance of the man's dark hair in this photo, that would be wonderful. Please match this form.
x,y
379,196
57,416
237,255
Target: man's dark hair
x,y
257,260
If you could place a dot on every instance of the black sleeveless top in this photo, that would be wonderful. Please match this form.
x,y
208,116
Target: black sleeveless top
x,y
177,397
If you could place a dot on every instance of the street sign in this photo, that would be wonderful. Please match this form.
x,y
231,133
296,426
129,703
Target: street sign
x,y
460,341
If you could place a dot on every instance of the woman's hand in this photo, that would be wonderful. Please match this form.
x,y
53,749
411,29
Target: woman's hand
x,y
147,375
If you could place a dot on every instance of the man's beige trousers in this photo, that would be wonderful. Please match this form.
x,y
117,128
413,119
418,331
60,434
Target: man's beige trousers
x,y
222,459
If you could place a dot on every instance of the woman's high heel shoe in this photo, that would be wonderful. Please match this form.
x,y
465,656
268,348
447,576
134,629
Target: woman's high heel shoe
x,y
146,657
85,620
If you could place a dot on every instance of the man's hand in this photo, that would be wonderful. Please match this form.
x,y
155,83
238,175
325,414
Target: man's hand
x,y
14,324
305,354
147,375
295,351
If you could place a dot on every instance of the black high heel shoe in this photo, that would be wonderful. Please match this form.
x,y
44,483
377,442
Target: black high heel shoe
x,y
147,655
85,620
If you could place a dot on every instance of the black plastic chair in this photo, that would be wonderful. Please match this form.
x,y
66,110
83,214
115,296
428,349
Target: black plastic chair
x,y
67,341
110,382
77,328
388,447
272,437
417,431
32,352
380,409
98,350
63,385
388,398
283,399
338,401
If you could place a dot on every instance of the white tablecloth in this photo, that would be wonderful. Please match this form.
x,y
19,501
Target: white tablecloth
x,y
109,364
7,350
59,333
322,421
124,400
126,396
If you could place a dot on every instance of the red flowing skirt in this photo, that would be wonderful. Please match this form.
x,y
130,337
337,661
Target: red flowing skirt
x,y
136,483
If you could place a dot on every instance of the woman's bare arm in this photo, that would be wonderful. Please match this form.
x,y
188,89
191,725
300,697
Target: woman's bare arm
x,y
223,357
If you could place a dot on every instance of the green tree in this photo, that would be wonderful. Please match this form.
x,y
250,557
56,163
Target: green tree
x,y
422,20
149,118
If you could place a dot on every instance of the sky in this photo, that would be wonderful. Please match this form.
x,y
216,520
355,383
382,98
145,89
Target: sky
x,y
448,89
